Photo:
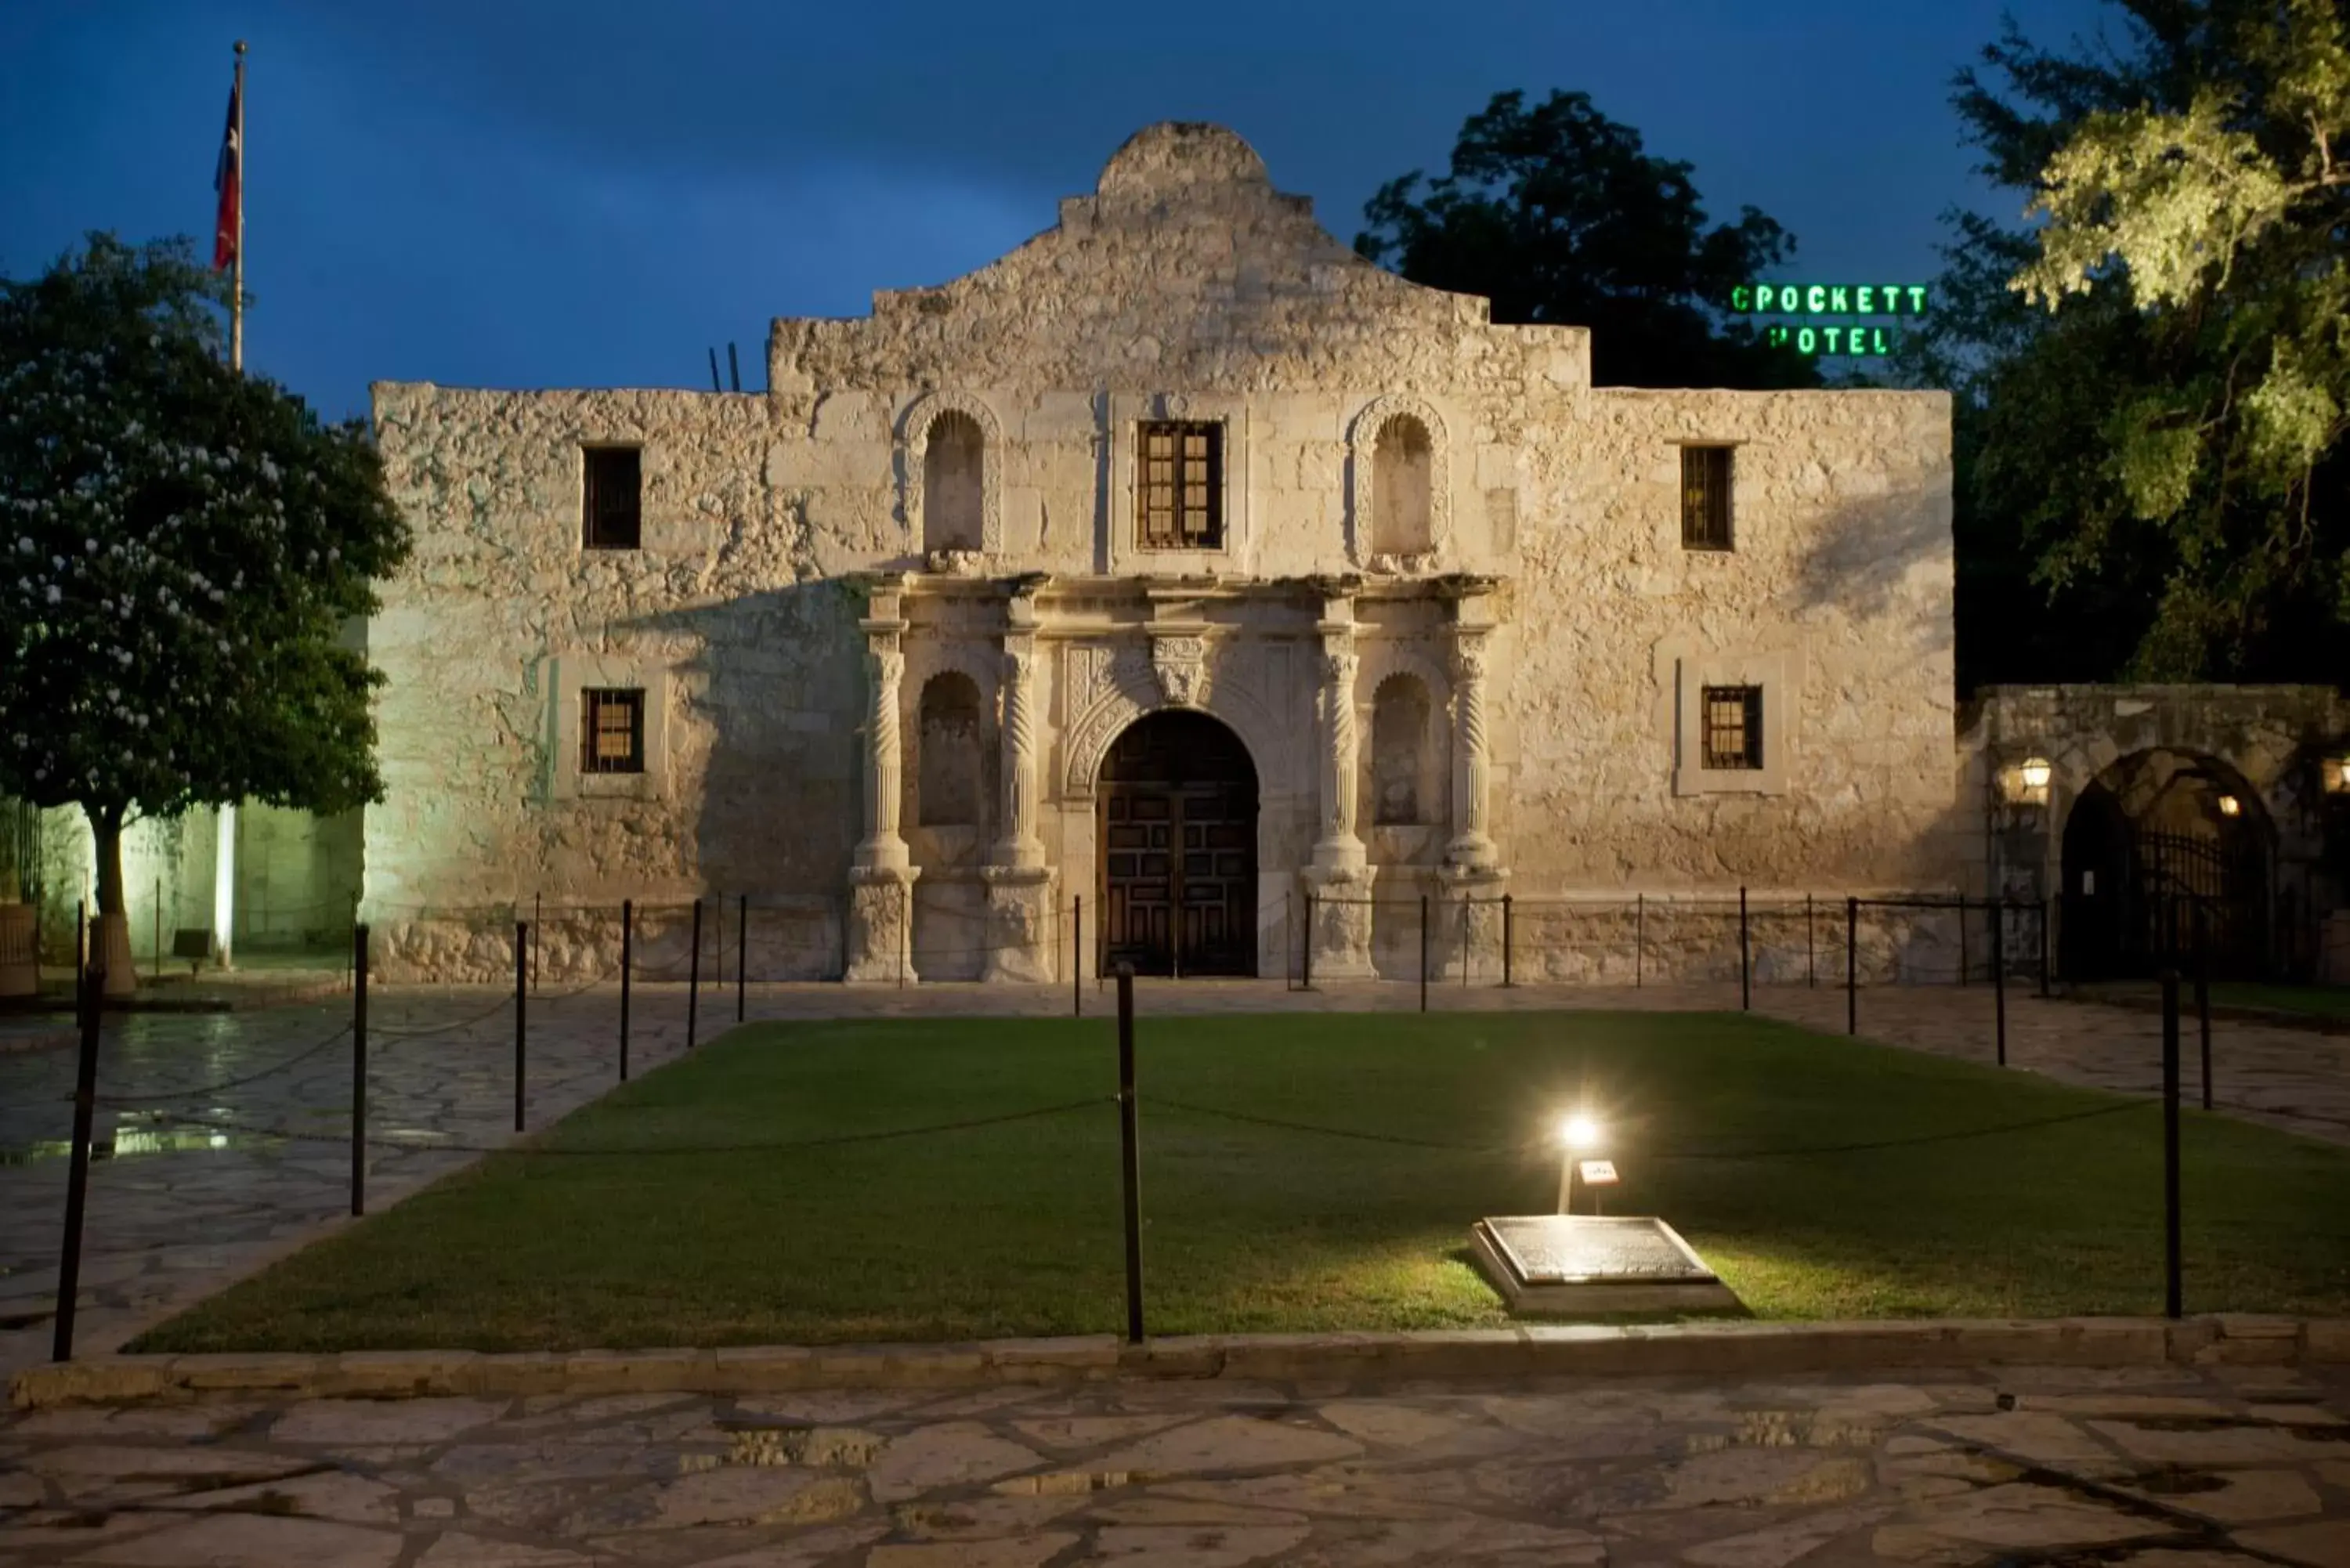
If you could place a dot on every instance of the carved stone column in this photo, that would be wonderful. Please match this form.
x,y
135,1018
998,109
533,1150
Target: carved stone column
x,y
1471,879
881,878
1017,843
1339,876
1022,939
1473,843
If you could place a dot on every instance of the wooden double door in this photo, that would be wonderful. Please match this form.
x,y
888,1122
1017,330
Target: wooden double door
x,y
1177,828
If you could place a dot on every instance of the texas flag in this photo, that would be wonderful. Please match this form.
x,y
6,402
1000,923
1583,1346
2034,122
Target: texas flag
x,y
228,179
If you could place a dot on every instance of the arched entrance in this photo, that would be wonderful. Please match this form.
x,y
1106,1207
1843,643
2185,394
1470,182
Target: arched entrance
x,y
1176,821
2156,838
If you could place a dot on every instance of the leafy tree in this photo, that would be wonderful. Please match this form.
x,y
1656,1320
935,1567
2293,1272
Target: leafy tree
x,y
1556,214
181,548
2153,378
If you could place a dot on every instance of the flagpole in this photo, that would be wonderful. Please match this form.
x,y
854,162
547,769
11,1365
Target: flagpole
x,y
225,821
237,277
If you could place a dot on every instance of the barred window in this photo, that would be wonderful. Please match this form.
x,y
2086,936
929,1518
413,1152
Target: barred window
x,y
612,731
1705,498
1179,485
1733,726
612,497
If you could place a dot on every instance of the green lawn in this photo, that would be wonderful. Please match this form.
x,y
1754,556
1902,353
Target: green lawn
x,y
2328,1001
2320,1001
1014,1229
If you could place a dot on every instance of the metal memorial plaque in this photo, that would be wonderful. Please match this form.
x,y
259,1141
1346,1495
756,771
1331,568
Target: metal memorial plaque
x,y
1577,1264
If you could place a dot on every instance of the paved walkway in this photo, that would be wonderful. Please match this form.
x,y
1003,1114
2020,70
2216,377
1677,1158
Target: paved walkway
x,y
2157,1468
192,1199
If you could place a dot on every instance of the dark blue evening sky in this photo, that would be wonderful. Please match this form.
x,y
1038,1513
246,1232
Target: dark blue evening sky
x,y
578,192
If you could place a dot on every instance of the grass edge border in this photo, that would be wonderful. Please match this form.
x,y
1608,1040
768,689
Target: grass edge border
x,y
1734,1349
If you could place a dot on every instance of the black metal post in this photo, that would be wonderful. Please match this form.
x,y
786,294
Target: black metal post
x,y
1423,952
2173,1290
2203,999
1962,939
1509,935
78,1177
1078,958
742,956
81,957
1130,1143
1852,966
693,980
1745,962
2044,945
358,1070
522,1011
1998,974
1305,964
627,955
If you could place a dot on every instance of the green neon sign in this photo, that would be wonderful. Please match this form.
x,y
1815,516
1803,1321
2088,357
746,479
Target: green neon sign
x,y
1829,298
1866,341
1812,305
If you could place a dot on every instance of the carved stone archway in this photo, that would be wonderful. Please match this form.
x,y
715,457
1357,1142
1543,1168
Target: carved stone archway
x,y
1362,451
914,446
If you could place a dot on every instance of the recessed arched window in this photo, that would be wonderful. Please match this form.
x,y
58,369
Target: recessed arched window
x,y
1404,783
952,787
954,483
1403,462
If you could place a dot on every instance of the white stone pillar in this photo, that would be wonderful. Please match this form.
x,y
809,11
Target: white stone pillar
x,y
881,879
1339,879
883,845
1472,846
1339,847
1017,843
1471,880
1024,932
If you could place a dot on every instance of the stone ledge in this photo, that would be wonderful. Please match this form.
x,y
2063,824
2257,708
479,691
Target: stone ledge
x,y
1715,1348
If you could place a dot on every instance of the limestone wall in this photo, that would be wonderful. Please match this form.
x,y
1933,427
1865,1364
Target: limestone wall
x,y
1184,287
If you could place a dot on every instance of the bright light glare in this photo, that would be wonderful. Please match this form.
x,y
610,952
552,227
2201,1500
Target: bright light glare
x,y
1579,1131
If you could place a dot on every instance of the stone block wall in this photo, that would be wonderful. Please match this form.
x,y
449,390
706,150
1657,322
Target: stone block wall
x,y
1184,287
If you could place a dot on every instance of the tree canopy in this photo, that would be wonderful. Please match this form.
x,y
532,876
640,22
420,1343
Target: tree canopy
x,y
2152,375
1557,215
181,550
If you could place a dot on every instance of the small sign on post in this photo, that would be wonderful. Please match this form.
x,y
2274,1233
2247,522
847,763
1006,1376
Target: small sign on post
x,y
1596,1172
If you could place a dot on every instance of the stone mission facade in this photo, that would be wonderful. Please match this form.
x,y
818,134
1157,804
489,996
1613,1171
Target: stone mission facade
x,y
1180,563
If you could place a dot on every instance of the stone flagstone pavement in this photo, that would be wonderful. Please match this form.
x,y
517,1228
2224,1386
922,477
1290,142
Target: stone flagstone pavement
x,y
184,1217
2148,1468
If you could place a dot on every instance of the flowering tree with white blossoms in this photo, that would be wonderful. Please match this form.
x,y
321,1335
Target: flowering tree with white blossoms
x,y
183,550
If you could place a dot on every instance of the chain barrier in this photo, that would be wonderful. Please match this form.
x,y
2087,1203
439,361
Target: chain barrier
x,y
201,1089
835,1140
1498,1151
504,1003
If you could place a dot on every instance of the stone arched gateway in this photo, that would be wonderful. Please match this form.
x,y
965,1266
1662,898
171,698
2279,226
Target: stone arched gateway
x,y
2166,855
2124,785
1177,829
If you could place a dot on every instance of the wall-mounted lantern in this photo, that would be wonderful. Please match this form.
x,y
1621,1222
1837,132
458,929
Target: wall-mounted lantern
x,y
2337,776
2230,806
2026,783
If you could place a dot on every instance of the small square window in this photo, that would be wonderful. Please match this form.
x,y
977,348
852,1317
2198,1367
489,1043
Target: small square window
x,y
1733,726
1178,491
612,731
1705,497
612,497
